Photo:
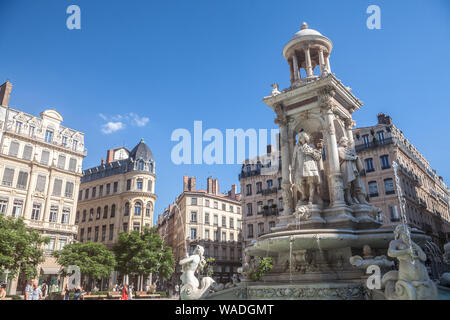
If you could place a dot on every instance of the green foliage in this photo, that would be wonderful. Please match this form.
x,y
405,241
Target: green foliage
x,y
20,248
93,259
263,265
207,269
144,253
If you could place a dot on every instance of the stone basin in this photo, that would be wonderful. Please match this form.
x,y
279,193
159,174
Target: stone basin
x,y
325,239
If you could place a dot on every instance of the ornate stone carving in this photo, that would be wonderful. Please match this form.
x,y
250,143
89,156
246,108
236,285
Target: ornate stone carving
x,y
275,90
281,118
411,281
190,289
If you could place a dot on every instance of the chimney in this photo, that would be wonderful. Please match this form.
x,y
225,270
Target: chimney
x,y
384,119
103,162
209,185
5,93
233,191
185,183
189,184
110,156
215,186
269,149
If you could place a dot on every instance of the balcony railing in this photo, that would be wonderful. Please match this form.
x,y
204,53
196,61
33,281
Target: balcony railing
x,y
269,191
374,144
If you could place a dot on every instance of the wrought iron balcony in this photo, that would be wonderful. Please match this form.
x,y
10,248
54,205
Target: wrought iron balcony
x,y
374,144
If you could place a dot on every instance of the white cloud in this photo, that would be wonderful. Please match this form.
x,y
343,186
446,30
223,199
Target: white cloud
x,y
118,122
111,127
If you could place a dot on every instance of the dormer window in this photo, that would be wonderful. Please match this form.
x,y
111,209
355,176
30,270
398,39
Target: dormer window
x,y
140,165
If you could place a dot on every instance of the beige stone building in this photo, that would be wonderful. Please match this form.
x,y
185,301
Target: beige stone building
x,y
426,194
261,198
118,195
207,218
40,168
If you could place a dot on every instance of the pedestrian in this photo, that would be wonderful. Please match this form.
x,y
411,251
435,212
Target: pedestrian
x,y
77,294
3,292
27,290
44,289
36,292
124,292
130,292
177,289
66,293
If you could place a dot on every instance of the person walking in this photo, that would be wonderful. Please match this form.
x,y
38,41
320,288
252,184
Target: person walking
x,y
36,292
124,292
44,289
27,290
130,292
177,289
66,293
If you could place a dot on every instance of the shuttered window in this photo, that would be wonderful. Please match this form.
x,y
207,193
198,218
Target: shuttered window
x,y
40,183
45,156
22,180
150,186
57,187
69,190
61,161
8,177
14,149
73,164
27,152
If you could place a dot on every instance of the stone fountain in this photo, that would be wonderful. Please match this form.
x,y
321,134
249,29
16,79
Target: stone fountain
x,y
320,243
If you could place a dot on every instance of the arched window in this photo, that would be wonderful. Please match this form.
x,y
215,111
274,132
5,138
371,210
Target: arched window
x,y
140,165
137,209
127,209
105,212
150,167
113,211
91,214
148,209
99,210
83,219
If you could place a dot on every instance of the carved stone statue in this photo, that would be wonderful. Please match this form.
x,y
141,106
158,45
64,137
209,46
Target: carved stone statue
x,y
445,277
351,167
190,289
411,281
368,259
275,89
306,175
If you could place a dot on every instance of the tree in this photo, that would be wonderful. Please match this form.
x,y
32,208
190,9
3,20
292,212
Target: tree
x,y
20,248
93,259
144,253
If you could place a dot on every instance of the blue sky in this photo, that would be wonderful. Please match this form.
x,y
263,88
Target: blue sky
x,y
165,64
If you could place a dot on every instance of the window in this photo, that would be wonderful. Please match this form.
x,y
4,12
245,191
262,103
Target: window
x,y
280,204
99,210
269,183
194,201
216,252
88,237
207,203
86,194
3,206
45,155
69,190
61,161
13,149
249,231
279,183
380,135
231,236
77,217
111,232
259,207
216,219
389,186
81,234
72,164
65,216
8,177
224,236
366,140
115,187
231,223
32,131
216,205
373,189
105,212
64,141
80,195
83,219
108,188
50,246
239,210
48,136
57,185
193,233
369,165
137,209
96,234
27,152
113,211
36,211
260,228
40,183
128,184
75,144
207,234
94,192
91,214
393,213
100,191
224,207
22,180
140,165
206,218
194,216
18,126
385,162
148,210
231,209
231,254
258,187
139,184
224,221
53,214
216,235
224,253
248,189
271,225
249,209
62,243
127,209
103,232
149,186
17,208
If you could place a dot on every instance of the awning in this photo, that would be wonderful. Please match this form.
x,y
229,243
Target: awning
x,y
50,270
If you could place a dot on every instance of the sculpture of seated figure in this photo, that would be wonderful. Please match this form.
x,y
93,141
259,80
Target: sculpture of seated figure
x,y
411,281
190,289
368,259
351,167
306,175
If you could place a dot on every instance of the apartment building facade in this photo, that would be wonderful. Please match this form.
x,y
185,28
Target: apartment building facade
x,y
40,167
207,218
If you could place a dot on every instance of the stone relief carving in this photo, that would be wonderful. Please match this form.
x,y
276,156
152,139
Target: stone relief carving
x,y
411,281
368,259
190,289
351,166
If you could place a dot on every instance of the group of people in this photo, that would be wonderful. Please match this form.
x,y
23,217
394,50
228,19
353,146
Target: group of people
x,y
78,293
126,290
34,292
